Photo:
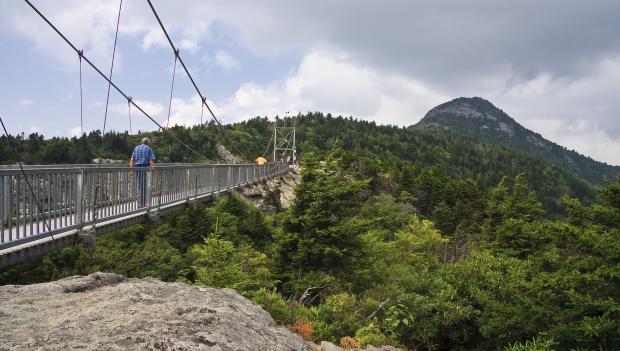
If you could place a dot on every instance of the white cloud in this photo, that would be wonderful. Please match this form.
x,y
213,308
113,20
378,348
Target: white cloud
x,y
579,113
91,26
26,102
153,38
226,61
75,131
189,45
323,82
153,108
330,83
185,112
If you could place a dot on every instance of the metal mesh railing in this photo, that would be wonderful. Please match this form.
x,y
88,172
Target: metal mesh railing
x,y
70,197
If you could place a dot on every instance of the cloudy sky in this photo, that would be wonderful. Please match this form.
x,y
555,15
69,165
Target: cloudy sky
x,y
552,65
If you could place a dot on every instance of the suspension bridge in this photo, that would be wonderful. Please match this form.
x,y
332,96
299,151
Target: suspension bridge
x,y
46,207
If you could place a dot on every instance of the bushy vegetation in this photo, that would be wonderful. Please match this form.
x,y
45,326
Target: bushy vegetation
x,y
428,250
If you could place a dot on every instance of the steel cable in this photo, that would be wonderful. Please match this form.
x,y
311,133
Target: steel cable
x,y
221,129
110,81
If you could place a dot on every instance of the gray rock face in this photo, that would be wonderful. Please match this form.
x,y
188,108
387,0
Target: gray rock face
x,y
226,155
105,311
273,195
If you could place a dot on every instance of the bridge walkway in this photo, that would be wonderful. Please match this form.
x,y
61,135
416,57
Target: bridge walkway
x,y
69,200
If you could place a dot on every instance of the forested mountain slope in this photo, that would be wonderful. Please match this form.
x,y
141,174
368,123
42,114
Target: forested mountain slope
x,y
480,119
450,154
425,239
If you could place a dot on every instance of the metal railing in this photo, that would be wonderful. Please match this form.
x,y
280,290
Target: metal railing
x,y
71,197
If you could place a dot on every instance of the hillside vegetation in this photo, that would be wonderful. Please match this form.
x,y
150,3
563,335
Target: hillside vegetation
x,y
424,239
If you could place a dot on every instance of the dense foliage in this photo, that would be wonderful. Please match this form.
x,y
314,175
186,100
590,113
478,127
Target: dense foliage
x,y
423,239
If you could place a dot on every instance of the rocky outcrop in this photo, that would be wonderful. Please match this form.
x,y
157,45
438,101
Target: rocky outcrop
x,y
105,311
226,155
273,195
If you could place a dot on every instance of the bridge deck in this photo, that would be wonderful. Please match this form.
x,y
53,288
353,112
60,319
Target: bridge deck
x,y
65,200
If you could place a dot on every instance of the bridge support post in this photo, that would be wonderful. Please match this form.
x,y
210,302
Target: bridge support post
x,y
87,237
154,216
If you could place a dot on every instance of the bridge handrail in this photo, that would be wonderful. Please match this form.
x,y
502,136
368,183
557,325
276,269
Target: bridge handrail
x,y
31,169
76,196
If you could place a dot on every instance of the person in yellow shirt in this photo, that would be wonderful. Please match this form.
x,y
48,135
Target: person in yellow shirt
x,y
260,161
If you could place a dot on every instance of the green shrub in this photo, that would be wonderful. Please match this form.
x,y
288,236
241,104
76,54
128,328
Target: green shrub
x,y
337,317
282,311
371,334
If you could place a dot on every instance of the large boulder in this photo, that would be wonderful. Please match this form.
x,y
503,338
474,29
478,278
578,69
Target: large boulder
x,y
105,311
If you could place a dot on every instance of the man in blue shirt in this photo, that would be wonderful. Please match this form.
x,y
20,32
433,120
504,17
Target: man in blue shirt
x,y
141,158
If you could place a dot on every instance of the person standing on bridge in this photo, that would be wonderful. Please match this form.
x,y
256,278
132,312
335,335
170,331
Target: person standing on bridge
x,y
141,158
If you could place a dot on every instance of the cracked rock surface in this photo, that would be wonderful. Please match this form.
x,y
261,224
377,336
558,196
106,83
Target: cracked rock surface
x,y
105,311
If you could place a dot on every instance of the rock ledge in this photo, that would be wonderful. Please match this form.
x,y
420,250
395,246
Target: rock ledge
x,y
106,311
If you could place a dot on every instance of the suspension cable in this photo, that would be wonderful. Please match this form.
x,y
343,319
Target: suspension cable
x,y
111,82
204,101
220,127
107,100
268,145
46,224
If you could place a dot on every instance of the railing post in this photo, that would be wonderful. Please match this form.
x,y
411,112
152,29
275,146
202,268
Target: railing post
x,y
79,208
213,178
6,198
124,184
149,191
187,184
228,177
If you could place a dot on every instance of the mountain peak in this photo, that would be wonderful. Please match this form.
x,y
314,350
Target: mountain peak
x,y
480,119
480,114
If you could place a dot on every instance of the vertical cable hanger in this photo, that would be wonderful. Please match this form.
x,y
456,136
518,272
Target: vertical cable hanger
x,y
83,158
129,113
202,109
81,55
118,21
174,71
105,118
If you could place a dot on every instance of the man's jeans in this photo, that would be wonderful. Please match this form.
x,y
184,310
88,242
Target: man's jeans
x,y
141,172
